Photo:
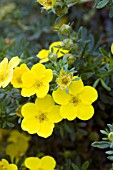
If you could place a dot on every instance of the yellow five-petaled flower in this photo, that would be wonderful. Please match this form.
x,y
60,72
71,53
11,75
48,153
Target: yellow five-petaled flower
x,y
39,117
76,103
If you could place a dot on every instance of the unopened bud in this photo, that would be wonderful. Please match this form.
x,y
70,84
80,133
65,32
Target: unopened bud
x,y
52,57
110,136
65,29
68,43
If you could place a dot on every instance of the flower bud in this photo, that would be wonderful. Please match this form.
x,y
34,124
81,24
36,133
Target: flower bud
x,y
65,29
68,43
110,136
52,57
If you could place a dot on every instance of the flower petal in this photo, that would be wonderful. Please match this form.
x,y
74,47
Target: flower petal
x,y
29,110
12,167
61,97
38,71
28,79
48,76
54,114
48,163
44,103
69,111
42,91
112,48
76,87
27,92
43,54
88,95
30,125
13,62
46,129
33,163
8,78
85,112
3,65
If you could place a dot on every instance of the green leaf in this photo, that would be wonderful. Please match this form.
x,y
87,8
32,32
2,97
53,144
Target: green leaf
x,y
111,11
101,144
105,85
103,52
75,167
104,132
58,19
102,4
110,127
96,83
67,90
85,165
109,152
110,158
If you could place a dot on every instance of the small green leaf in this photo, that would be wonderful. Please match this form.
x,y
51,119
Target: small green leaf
x,y
85,165
105,85
104,132
109,152
75,167
102,4
58,19
101,144
110,158
96,83
67,90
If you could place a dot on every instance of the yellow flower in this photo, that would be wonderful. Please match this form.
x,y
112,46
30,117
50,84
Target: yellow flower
x,y
45,163
65,79
112,48
77,103
4,165
18,145
48,4
39,117
54,48
17,74
6,70
36,81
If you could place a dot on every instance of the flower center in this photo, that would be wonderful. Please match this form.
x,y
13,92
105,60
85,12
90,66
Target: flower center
x,y
75,100
39,84
19,80
42,117
47,2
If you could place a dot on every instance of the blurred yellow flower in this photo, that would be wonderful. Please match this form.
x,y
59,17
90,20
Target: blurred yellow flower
x,y
18,144
17,74
47,4
6,9
45,163
112,48
76,103
39,117
6,70
4,165
36,81
56,48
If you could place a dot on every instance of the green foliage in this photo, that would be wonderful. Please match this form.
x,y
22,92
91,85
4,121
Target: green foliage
x,y
24,31
108,143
